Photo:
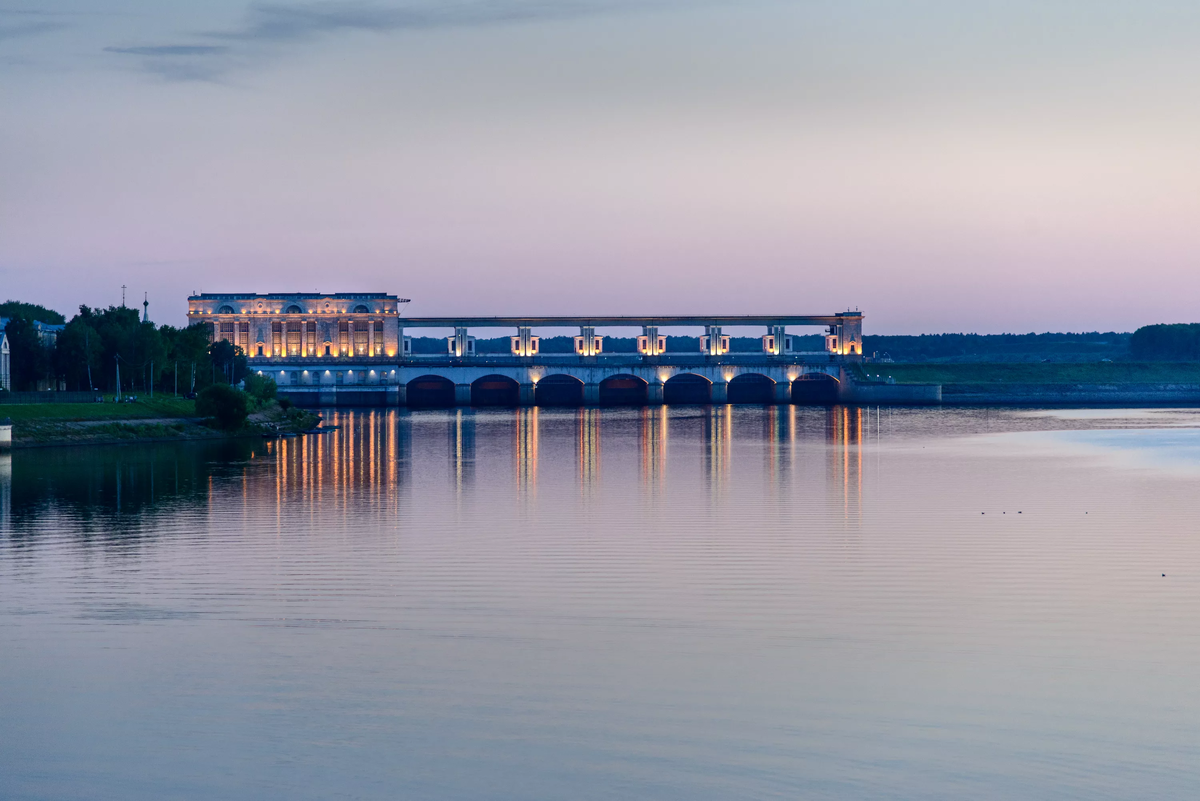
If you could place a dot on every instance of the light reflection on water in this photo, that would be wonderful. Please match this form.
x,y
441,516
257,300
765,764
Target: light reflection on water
x,y
682,603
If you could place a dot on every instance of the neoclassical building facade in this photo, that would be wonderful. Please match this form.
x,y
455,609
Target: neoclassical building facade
x,y
343,325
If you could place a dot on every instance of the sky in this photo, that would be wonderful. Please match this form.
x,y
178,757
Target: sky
x,y
1025,165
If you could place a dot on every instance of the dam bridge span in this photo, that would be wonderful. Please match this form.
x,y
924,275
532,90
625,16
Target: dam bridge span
x,y
356,349
609,380
524,376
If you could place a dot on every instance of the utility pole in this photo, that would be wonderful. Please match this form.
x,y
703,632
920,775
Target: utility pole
x,y
176,372
151,379
87,353
122,296
117,359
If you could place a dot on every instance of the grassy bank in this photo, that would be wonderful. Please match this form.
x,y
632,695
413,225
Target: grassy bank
x,y
1041,373
167,418
160,407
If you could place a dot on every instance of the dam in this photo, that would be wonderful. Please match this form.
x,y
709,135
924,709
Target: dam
x,y
355,349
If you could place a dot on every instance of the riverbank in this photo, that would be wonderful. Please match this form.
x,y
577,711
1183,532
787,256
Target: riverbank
x,y
1053,384
159,420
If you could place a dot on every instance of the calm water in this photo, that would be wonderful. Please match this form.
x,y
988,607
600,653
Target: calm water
x,y
688,603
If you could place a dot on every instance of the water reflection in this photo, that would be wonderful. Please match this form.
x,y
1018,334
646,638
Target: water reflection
x,y
844,429
653,442
107,488
462,447
718,435
372,457
721,601
5,491
588,449
525,450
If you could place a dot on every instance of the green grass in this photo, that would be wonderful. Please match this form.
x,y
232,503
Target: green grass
x,y
164,406
1039,373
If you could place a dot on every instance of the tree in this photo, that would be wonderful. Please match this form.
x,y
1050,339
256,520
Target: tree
x,y
1180,341
229,360
228,406
150,353
30,311
28,360
187,349
261,388
78,354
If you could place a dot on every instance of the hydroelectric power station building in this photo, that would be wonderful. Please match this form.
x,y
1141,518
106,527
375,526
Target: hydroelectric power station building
x,y
355,349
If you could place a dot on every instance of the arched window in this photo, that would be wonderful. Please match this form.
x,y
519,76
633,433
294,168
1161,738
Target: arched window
x,y
361,309
225,310
293,309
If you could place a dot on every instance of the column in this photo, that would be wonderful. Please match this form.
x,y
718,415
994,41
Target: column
x,y
713,332
462,394
591,394
524,340
650,332
588,334
654,393
349,337
526,394
783,391
776,331
720,391
370,337
303,337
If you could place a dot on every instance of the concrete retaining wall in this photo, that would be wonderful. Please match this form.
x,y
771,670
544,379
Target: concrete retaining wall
x,y
1071,394
892,394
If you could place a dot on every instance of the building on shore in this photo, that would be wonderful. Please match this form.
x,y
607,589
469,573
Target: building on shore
x,y
47,332
302,325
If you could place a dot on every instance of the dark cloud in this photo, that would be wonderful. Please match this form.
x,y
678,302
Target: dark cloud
x,y
275,23
281,23
186,71
29,29
170,50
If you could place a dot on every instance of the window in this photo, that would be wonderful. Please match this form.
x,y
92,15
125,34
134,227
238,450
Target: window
x,y
293,339
344,337
276,339
339,378
260,348
379,337
327,349
295,377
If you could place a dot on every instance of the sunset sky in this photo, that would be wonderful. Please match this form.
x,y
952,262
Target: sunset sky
x,y
944,166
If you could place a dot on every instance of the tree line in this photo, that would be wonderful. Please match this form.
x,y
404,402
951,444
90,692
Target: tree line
x,y
99,347
1166,342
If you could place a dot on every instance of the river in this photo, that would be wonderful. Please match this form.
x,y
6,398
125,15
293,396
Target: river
x,y
672,603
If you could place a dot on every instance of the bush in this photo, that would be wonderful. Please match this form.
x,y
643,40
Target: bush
x,y
228,406
260,387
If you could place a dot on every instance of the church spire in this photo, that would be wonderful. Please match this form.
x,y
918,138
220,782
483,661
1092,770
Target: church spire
x,y
146,307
